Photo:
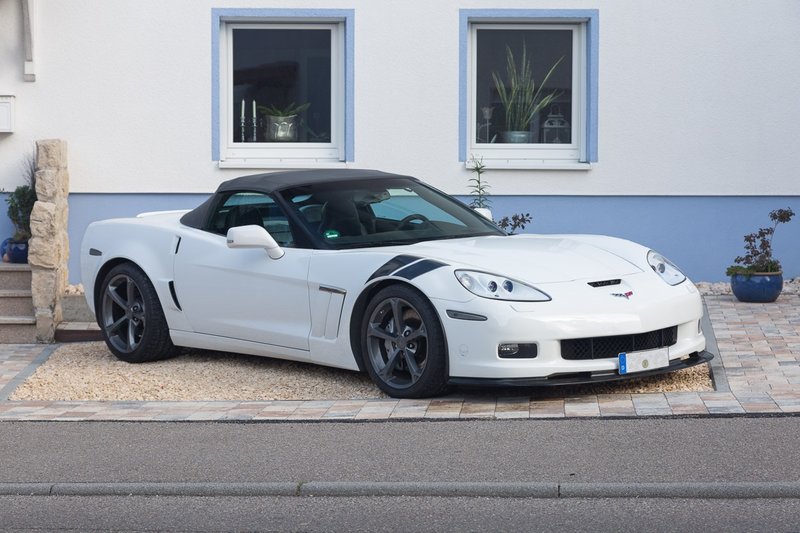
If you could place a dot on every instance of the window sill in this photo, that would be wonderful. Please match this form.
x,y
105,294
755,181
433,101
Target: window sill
x,y
281,163
530,164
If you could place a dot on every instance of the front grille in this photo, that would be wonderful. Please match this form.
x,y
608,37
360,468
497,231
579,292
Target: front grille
x,y
605,347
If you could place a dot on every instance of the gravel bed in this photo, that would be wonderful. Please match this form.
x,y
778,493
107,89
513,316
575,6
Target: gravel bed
x,y
88,371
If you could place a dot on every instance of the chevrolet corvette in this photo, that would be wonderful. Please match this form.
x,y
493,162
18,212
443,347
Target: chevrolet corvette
x,y
381,273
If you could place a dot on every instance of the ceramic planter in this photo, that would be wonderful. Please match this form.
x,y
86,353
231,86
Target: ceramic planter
x,y
759,287
515,136
282,129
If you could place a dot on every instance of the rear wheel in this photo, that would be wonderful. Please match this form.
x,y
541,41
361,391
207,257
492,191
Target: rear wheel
x,y
131,317
403,344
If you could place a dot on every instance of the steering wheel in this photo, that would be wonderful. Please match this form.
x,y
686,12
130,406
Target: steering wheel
x,y
406,223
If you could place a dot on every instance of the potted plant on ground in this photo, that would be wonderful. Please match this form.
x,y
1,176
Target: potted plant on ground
x,y
521,98
282,122
20,204
479,190
757,276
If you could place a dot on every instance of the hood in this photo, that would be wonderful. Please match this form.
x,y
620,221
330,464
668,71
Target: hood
x,y
531,258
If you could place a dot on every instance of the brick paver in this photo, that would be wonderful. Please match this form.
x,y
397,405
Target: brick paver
x,y
759,347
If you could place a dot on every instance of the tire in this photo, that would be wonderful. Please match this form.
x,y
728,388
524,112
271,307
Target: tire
x,y
403,345
131,318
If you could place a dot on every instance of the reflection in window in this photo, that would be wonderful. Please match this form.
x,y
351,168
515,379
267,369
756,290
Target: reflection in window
x,y
281,85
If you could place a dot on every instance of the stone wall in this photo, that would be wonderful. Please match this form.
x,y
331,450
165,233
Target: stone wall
x,y
48,250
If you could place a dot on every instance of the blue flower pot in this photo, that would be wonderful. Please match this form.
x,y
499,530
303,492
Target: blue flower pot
x,y
757,288
17,252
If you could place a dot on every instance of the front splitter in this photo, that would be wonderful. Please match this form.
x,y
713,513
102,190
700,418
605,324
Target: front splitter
x,y
582,378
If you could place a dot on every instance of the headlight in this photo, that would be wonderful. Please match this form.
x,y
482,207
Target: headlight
x,y
498,287
664,268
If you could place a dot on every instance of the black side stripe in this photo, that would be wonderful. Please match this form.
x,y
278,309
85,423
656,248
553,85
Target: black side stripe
x,y
419,268
393,264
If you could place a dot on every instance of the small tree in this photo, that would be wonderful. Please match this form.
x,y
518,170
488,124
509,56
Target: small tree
x,y
758,247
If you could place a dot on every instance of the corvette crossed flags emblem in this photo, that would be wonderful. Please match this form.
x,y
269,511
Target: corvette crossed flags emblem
x,y
626,295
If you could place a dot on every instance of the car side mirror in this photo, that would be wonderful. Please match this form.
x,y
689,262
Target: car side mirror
x,y
254,237
484,212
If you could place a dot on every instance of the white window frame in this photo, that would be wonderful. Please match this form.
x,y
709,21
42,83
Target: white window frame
x,y
582,151
506,154
281,155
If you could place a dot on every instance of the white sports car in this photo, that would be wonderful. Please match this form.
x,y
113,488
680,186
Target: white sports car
x,y
378,272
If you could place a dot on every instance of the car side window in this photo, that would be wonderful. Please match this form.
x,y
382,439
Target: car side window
x,y
252,208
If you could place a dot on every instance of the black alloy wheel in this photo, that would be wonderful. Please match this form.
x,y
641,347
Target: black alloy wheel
x,y
131,317
403,344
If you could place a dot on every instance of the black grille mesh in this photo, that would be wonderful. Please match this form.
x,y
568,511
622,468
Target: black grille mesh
x,y
605,347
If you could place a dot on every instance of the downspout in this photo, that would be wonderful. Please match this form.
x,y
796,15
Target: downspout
x,y
28,8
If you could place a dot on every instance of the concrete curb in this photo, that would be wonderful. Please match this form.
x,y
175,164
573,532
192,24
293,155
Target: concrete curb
x,y
692,490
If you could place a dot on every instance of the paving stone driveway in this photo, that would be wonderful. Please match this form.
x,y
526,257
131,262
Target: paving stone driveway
x,y
757,371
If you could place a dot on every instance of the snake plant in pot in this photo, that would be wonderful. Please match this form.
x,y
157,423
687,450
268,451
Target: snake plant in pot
x,y
520,97
757,276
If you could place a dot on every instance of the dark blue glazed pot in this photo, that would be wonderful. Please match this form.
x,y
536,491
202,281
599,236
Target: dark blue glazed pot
x,y
757,288
17,252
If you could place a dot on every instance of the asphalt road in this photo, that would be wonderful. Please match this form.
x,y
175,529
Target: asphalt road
x,y
604,457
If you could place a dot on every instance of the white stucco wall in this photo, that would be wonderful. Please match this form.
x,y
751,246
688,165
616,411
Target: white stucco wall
x,y
697,97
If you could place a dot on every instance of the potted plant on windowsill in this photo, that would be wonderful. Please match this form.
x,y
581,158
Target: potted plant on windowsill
x,y
521,98
757,276
282,122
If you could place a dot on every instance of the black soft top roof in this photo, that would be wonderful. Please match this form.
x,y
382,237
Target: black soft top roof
x,y
276,181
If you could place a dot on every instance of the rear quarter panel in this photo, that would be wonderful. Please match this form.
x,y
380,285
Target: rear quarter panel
x,y
149,242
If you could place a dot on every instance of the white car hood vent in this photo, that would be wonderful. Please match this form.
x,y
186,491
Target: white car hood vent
x,y
605,283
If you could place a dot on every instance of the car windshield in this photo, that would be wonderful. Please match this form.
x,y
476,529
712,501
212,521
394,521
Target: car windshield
x,y
383,212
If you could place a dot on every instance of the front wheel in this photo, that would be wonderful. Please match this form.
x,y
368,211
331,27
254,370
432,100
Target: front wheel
x,y
131,317
403,344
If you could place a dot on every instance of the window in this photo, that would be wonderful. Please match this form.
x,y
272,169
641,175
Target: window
x,y
246,208
282,98
529,94
356,214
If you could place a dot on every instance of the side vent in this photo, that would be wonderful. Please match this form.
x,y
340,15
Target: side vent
x,y
178,246
605,283
174,295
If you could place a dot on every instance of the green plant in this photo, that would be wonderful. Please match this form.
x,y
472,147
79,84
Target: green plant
x,y
758,248
20,202
479,189
521,98
287,111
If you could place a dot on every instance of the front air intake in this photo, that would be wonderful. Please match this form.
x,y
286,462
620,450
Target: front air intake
x,y
608,347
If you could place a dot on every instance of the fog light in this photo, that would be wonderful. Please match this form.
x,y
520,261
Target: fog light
x,y
517,350
508,350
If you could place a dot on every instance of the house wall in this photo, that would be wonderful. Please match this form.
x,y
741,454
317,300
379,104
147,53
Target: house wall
x,y
696,114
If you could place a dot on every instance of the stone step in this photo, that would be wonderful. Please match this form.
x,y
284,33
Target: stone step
x,y
17,330
78,332
15,276
16,302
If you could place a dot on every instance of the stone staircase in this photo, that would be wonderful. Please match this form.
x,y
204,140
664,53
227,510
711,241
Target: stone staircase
x,y
17,320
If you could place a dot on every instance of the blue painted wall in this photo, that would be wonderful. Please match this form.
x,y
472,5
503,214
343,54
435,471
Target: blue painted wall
x,y
702,235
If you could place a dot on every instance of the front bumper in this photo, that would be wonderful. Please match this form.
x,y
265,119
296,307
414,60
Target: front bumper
x,y
582,378
575,313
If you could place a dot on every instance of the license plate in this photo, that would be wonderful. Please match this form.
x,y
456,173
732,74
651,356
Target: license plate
x,y
631,362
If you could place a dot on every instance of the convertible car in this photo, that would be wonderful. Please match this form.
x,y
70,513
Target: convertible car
x,y
377,272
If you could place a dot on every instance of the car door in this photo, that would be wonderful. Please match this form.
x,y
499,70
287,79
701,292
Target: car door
x,y
242,293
